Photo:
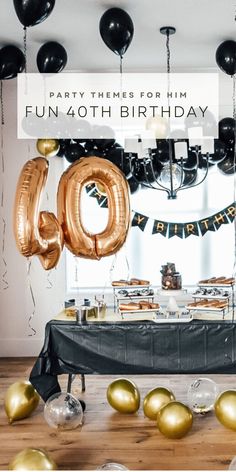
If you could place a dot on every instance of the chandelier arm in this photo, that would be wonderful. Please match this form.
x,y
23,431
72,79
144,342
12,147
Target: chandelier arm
x,y
157,182
198,183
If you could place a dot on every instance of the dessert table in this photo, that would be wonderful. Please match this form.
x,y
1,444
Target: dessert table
x,y
140,347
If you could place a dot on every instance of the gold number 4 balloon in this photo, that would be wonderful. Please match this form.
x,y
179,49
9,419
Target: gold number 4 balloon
x,y
42,234
36,233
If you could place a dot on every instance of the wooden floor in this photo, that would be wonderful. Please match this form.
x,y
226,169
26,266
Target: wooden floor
x,y
108,436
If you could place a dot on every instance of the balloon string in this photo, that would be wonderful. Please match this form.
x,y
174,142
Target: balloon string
x,y
33,331
76,269
121,65
4,274
2,107
127,263
25,47
234,163
49,282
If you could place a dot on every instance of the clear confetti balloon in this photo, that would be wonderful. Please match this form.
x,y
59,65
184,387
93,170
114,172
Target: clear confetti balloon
x,y
112,466
202,394
63,411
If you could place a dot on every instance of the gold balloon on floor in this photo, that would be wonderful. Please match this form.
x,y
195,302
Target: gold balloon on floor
x,y
158,125
123,395
155,400
174,420
225,409
48,147
20,401
32,459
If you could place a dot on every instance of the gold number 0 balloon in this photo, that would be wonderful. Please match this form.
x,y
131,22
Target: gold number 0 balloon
x,y
77,239
36,232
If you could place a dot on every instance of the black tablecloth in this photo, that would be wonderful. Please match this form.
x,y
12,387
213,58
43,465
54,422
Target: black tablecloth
x,y
133,348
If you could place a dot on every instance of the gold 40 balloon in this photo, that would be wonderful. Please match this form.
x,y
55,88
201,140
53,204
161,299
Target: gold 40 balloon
x,y
43,234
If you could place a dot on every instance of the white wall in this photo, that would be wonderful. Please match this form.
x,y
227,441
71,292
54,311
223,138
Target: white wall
x,y
16,302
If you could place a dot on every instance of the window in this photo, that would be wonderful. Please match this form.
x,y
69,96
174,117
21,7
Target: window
x,y
195,257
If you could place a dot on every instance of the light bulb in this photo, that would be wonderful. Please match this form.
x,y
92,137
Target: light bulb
x,y
177,175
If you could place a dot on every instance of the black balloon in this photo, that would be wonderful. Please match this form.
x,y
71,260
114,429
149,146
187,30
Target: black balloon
x,y
228,166
226,57
190,177
144,172
118,157
133,185
33,12
227,130
64,143
73,152
219,152
204,162
51,58
207,122
191,162
12,62
161,153
116,29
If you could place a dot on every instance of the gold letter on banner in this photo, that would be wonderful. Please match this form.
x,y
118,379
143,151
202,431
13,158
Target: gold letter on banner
x,y
77,239
36,232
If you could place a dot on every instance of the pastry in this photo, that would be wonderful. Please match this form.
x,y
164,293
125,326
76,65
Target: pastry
x,y
229,281
119,283
71,311
144,282
129,306
154,306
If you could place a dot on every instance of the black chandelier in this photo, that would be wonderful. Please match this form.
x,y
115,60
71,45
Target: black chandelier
x,y
171,165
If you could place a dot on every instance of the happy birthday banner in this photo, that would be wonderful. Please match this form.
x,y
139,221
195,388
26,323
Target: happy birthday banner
x,y
170,229
191,228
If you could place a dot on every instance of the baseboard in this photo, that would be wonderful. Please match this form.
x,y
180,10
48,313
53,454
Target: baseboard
x,y
20,347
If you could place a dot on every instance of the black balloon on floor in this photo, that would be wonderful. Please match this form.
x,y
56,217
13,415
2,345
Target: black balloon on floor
x,y
51,58
12,62
116,29
33,12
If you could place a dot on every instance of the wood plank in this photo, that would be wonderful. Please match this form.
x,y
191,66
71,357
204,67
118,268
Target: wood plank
x,y
132,440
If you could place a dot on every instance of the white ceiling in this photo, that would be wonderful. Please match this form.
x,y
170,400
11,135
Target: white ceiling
x,y
201,26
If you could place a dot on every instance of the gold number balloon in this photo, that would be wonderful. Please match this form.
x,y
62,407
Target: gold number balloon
x,y
123,395
225,409
36,233
48,147
77,239
155,400
174,420
32,459
20,401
